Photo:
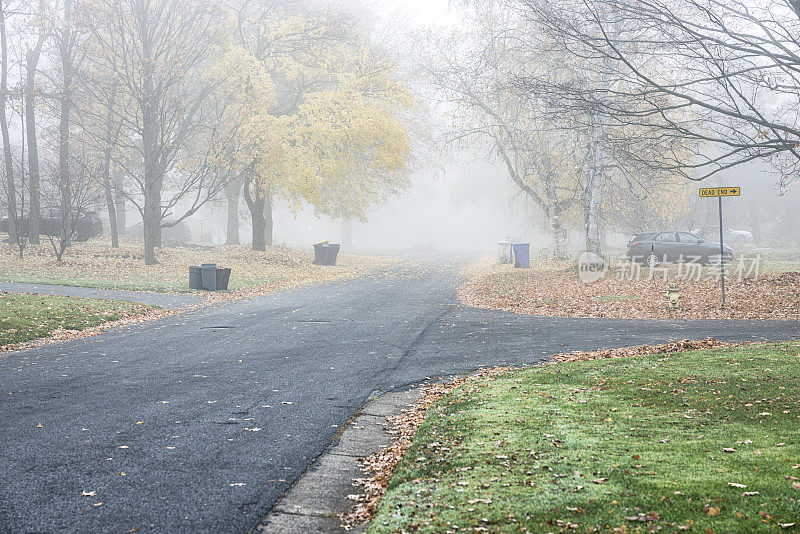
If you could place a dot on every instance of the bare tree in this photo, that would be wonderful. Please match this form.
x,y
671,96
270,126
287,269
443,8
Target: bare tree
x,y
32,56
10,183
157,53
61,225
474,77
721,75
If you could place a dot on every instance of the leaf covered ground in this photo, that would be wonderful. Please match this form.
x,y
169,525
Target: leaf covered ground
x,y
554,289
28,317
702,441
96,264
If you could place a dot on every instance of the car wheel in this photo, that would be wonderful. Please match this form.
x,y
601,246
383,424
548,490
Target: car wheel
x,y
652,261
713,259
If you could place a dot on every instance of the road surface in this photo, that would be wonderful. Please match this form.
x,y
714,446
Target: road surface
x,y
199,422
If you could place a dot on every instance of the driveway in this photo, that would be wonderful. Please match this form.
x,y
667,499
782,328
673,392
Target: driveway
x,y
201,421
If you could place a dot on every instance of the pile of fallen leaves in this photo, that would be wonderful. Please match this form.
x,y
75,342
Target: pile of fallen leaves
x,y
381,466
554,289
642,350
96,263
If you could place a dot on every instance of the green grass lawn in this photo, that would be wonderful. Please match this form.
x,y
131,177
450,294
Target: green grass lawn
x,y
705,441
27,317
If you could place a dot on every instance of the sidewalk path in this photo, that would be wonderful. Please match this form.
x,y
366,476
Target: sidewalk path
x,y
169,301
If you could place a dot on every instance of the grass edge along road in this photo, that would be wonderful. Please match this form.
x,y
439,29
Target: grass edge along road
x,y
27,317
700,441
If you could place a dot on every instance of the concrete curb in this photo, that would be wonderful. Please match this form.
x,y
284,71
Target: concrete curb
x,y
315,501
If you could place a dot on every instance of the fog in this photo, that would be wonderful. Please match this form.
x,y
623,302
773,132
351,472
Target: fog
x,y
388,126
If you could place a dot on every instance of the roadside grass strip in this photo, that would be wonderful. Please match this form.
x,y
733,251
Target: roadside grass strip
x,y
25,317
702,441
96,263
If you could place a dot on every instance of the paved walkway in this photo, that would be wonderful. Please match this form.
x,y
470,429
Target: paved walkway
x,y
170,301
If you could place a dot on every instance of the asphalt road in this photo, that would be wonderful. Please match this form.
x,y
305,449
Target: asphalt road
x,y
199,422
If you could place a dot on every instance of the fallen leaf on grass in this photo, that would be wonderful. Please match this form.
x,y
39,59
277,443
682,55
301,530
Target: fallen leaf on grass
x,y
736,485
713,511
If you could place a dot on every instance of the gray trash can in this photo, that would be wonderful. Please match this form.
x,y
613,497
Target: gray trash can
x,y
209,275
332,253
195,278
223,276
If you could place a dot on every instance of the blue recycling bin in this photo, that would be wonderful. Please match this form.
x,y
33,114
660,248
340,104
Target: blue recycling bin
x,y
522,255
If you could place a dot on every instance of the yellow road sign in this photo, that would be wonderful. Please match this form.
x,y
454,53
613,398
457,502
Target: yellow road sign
x,y
721,192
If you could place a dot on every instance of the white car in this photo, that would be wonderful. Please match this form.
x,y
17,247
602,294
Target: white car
x,y
738,237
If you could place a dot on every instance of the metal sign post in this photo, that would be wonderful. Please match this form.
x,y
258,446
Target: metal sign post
x,y
720,192
721,252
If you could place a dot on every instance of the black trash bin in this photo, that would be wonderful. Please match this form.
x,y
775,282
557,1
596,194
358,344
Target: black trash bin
x,y
195,278
209,275
223,276
332,254
321,253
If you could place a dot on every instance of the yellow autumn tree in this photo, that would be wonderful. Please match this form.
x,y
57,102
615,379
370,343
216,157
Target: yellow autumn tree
x,y
318,115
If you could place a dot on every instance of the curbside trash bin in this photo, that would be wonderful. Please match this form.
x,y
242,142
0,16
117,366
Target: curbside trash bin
x,y
522,257
208,273
321,252
332,254
195,278
223,277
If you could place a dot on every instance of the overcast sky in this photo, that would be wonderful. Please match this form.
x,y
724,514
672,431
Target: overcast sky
x,y
422,11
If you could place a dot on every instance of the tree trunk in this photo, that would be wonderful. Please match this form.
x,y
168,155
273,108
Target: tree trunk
x,y
34,191
259,226
106,172
151,222
153,172
34,217
119,201
232,191
559,235
268,221
594,186
755,222
112,209
64,120
256,203
347,233
13,217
